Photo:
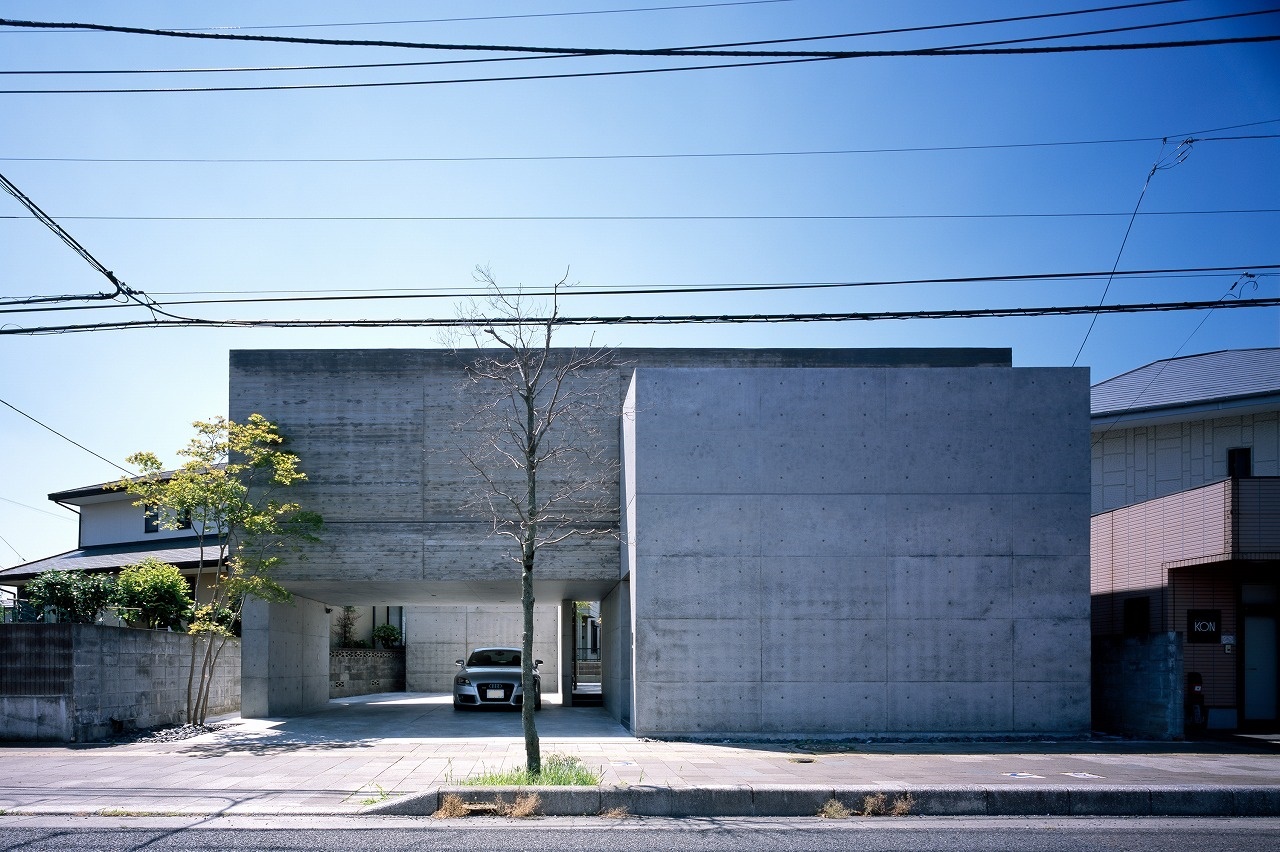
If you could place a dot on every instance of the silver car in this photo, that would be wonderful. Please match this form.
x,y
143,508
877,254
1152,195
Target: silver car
x,y
490,677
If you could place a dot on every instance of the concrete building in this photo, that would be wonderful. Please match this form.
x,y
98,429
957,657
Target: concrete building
x,y
1186,542
814,542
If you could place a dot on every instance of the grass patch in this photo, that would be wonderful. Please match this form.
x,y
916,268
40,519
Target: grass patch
x,y
558,770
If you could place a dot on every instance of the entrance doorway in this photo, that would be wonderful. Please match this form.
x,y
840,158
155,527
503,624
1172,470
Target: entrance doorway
x,y
1259,658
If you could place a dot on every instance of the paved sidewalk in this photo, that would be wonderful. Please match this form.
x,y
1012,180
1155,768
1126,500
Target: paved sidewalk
x,y
392,753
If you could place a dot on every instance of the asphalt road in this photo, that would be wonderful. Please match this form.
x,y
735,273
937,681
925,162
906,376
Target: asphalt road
x,y
284,834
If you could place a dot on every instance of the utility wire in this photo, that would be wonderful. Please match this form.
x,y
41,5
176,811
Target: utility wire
x,y
680,50
979,313
767,217
47,220
36,509
671,156
574,51
607,51
1162,163
65,438
1244,280
863,54
317,296
496,17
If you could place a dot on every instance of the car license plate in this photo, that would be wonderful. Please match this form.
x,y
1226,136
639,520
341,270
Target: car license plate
x,y
493,693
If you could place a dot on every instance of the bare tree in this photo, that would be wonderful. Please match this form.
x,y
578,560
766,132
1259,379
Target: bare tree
x,y
540,440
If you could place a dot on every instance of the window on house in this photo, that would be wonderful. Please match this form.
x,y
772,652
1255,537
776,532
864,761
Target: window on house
x,y
152,520
1137,616
1240,462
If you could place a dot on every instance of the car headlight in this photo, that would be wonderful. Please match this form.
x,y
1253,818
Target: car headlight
x,y
461,681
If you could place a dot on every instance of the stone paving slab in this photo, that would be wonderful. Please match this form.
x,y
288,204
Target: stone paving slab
x,y
380,753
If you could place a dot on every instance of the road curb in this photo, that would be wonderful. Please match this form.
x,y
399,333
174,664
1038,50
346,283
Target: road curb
x,y
792,801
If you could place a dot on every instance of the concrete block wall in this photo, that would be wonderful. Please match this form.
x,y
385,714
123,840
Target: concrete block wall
x,y
362,671
1138,686
285,657
80,683
889,550
438,636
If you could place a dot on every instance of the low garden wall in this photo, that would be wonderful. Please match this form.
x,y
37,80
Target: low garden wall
x,y
361,671
84,682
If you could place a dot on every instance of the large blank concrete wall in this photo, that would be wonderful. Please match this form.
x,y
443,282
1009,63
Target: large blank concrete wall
x,y
438,636
860,550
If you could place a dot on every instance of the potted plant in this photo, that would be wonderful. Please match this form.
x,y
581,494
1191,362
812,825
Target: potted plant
x,y
388,635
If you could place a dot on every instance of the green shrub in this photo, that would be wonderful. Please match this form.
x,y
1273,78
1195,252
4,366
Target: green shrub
x,y
153,594
72,595
387,634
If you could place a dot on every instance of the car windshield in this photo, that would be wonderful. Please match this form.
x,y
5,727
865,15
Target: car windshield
x,y
494,657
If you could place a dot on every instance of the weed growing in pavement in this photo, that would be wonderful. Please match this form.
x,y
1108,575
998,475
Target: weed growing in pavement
x,y
558,770
902,805
382,796
619,812
873,805
452,807
833,809
524,807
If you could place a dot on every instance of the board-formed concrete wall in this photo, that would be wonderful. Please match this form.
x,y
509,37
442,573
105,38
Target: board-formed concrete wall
x,y
834,551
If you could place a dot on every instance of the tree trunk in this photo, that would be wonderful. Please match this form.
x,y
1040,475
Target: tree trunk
x,y
532,749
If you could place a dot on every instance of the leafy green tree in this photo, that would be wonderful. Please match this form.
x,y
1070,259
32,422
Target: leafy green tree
x,y
73,596
154,595
232,488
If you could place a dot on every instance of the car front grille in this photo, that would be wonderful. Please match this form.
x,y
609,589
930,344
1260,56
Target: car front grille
x,y
484,691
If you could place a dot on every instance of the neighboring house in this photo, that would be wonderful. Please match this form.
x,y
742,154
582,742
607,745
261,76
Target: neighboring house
x,y
809,541
114,533
1186,537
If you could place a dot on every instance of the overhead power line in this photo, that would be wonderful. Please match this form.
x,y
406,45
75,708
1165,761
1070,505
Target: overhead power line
x,y
714,50
686,50
65,438
312,296
864,54
1196,136
764,217
862,316
473,18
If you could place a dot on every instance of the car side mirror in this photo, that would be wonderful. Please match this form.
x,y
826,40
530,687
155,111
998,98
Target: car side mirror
x,y
457,662
537,662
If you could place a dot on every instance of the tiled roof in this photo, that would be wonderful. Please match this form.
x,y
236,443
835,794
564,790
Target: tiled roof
x,y
1191,380
175,551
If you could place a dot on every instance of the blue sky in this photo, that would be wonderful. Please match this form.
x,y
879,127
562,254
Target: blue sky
x,y
465,168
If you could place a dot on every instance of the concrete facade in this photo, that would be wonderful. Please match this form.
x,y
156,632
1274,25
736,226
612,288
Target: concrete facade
x,y
858,550
813,541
